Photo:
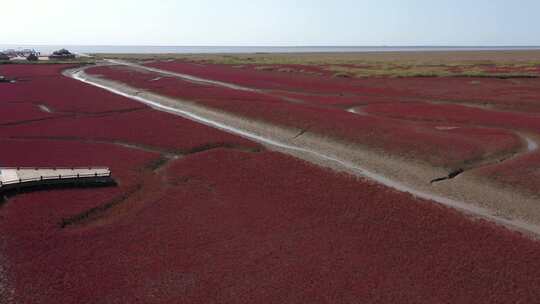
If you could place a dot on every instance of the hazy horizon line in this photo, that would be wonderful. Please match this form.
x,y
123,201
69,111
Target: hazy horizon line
x,y
277,45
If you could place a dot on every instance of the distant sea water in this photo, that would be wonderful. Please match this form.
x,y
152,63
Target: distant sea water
x,y
141,49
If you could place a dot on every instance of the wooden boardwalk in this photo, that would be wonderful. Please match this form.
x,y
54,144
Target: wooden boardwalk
x,y
15,178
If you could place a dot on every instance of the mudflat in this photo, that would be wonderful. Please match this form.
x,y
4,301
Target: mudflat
x,y
209,208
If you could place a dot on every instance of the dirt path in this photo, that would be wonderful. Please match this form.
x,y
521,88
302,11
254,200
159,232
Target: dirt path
x,y
530,143
473,197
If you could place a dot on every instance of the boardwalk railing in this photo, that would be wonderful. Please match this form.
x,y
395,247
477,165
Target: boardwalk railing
x,y
54,168
64,174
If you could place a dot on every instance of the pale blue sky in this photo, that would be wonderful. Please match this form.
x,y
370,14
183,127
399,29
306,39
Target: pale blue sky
x,y
271,22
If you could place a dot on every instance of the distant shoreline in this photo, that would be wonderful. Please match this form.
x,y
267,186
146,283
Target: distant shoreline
x,y
97,49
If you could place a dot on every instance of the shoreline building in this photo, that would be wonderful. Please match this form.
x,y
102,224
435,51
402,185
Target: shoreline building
x,y
62,54
14,53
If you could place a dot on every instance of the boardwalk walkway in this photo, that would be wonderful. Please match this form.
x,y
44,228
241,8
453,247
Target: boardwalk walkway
x,y
11,178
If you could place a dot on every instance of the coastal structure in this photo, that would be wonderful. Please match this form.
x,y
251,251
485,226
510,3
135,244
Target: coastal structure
x,y
32,57
62,54
25,178
14,53
6,80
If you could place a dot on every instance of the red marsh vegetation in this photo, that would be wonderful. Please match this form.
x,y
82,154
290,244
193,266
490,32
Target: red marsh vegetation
x,y
439,147
512,93
228,222
460,121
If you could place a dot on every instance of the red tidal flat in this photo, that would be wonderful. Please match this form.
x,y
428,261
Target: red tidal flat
x,y
235,227
439,147
13,113
145,127
168,85
228,226
504,94
405,113
521,171
25,72
513,94
61,94
39,211
336,100
448,113
262,79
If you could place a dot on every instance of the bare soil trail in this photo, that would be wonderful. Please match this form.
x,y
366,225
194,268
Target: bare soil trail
x,y
530,143
466,193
